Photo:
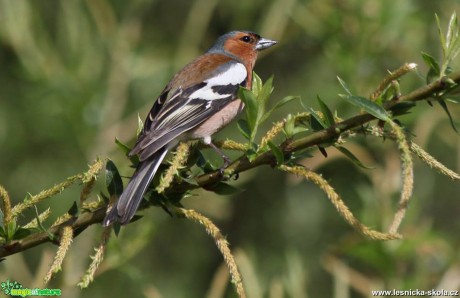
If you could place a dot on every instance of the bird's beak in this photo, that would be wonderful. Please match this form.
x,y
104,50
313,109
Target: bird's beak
x,y
265,44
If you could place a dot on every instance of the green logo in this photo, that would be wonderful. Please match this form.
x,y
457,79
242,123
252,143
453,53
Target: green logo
x,y
13,288
8,286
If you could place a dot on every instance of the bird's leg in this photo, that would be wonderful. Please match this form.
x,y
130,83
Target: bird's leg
x,y
227,160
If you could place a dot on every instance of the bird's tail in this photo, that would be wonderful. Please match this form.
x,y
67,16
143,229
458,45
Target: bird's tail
x,y
126,206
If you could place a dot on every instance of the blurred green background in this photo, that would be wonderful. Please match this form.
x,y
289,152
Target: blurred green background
x,y
75,74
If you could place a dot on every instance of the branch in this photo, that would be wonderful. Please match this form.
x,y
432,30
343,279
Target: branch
x,y
242,164
79,225
324,136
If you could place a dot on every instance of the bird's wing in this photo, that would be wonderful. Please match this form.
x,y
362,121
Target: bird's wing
x,y
184,109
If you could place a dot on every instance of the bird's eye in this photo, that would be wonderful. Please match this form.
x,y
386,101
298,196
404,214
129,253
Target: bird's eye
x,y
246,38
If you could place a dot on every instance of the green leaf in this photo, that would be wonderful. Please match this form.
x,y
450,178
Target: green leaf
x,y
122,146
446,109
279,104
301,154
135,218
289,126
264,94
452,31
22,233
251,154
140,125
204,164
328,116
441,36
262,100
277,152
2,233
256,84
402,108
431,63
116,228
11,229
244,128
369,106
41,227
251,108
191,181
344,86
450,43
452,98
316,121
113,179
298,129
73,211
224,189
352,157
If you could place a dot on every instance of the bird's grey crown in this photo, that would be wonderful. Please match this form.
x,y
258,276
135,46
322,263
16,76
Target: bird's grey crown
x,y
218,46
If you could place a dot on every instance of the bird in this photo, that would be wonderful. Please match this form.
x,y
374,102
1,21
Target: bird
x,y
197,102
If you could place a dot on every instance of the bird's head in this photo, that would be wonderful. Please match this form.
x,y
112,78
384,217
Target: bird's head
x,y
243,45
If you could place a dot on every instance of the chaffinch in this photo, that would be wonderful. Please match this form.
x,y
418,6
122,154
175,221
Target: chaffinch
x,y
198,101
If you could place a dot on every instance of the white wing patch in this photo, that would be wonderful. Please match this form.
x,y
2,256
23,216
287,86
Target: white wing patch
x,y
234,75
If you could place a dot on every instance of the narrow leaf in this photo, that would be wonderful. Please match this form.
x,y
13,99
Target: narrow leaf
x,y
446,109
323,151
250,102
251,154
122,146
113,179
352,157
299,129
344,86
402,108
244,128
431,63
369,106
441,36
267,89
276,152
279,104
262,99
301,154
328,116
452,31
140,125
11,229
224,189
256,84
289,126
22,233
136,218
204,164
73,211
41,227
116,228
318,119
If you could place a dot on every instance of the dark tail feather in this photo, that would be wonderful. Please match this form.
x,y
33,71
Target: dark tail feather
x,y
126,206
